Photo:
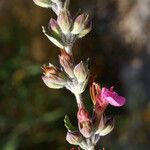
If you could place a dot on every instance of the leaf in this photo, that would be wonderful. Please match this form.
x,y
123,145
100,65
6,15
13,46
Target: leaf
x,y
68,124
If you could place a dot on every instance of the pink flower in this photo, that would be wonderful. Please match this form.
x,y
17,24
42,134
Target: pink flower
x,y
107,96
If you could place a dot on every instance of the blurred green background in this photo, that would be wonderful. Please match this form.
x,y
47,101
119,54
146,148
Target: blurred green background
x,y
31,115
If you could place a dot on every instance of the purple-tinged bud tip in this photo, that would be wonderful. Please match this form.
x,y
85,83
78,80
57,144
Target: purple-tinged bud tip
x,y
74,138
53,25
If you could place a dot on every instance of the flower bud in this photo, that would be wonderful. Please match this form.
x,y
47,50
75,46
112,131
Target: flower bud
x,y
48,70
54,26
105,126
64,20
66,62
80,23
43,3
108,127
81,72
85,31
84,122
53,77
74,138
51,84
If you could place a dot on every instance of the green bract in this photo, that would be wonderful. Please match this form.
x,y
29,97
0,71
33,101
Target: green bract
x,y
43,3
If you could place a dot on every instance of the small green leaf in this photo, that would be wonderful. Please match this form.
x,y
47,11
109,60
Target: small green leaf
x,y
68,124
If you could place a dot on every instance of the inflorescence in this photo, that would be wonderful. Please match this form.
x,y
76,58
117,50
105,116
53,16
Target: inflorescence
x,y
64,31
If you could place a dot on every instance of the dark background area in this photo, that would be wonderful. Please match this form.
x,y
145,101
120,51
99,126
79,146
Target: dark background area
x,y
31,115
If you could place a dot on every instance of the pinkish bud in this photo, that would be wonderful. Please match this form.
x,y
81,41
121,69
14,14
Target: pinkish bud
x,y
81,72
83,115
66,62
43,3
53,77
84,122
54,26
74,138
64,20
80,23
48,70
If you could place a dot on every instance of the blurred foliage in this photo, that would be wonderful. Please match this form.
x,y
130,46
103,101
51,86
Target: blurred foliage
x,y
31,115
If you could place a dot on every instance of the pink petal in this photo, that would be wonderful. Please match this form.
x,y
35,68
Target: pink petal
x,y
112,97
118,101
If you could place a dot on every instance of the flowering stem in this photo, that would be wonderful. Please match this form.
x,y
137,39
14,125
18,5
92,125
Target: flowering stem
x,y
75,77
79,100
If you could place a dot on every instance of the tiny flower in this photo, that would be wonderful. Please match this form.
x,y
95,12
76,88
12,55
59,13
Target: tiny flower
x,y
99,107
104,96
53,77
43,3
111,97
64,20
84,122
81,72
74,138
66,62
53,25
80,23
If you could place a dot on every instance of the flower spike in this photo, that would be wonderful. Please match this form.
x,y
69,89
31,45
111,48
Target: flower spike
x,y
65,30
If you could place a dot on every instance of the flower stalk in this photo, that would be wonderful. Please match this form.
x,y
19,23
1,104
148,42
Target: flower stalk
x,y
79,100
